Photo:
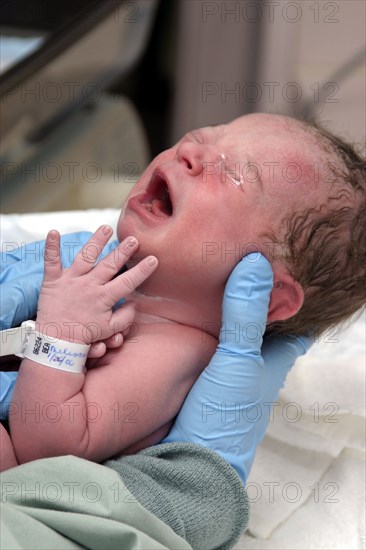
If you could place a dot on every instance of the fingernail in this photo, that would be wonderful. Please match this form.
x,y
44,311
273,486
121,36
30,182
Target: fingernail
x,y
131,242
152,261
106,230
53,235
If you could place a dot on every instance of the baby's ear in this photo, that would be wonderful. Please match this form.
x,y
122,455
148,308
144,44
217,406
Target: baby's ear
x,y
287,297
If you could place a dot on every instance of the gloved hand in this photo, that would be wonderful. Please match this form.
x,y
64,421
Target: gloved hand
x,y
7,383
228,408
20,279
22,273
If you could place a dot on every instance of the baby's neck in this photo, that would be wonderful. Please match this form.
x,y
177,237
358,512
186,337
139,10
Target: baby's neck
x,y
159,309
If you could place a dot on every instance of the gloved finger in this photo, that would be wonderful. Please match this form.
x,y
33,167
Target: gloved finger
x,y
18,301
52,258
245,305
280,353
7,383
250,282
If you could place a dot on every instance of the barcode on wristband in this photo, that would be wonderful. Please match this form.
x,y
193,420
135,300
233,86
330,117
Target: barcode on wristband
x,y
37,345
55,353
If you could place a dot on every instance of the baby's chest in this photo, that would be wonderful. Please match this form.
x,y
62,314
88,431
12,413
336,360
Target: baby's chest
x,y
156,348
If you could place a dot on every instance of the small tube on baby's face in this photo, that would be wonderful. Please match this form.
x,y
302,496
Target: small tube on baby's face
x,y
237,181
232,175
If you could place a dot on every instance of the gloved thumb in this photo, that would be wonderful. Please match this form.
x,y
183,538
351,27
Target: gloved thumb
x,y
245,305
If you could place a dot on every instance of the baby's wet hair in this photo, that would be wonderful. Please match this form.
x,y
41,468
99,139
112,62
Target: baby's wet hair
x,y
326,246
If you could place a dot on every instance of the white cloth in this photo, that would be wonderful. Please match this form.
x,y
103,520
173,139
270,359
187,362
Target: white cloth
x,y
307,485
25,228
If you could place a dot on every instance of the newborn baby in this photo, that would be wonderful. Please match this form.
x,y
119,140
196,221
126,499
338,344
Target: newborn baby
x,y
263,182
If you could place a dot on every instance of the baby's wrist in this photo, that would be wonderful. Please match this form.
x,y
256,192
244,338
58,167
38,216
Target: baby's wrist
x,y
67,331
52,351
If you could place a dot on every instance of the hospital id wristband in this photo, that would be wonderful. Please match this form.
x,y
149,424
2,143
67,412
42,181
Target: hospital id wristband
x,y
52,352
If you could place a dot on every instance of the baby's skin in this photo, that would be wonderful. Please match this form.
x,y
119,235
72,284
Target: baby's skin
x,y
198,208
126,399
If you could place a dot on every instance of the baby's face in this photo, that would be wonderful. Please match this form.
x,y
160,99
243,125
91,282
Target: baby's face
x,y
208,200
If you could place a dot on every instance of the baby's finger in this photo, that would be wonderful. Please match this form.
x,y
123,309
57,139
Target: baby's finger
x,y
52,258
97,349
122,319
88,255
114,341
126,283
113,262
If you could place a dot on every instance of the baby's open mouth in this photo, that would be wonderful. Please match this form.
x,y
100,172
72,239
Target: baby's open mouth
x,y
156,198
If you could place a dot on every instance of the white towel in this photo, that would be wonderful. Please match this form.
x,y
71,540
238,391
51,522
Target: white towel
x,y
313,454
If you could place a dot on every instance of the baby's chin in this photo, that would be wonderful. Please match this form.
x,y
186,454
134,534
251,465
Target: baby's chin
x,y
121,223
121,234
125,227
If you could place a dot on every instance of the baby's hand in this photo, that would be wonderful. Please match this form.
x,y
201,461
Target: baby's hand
x,y
76,304
98,349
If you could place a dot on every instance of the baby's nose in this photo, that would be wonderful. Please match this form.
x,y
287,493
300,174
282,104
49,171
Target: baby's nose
x,y
198,157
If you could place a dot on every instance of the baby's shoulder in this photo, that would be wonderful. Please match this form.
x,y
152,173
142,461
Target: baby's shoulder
x,y
172,343
175,334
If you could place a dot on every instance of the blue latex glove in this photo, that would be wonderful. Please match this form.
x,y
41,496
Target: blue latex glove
x,y
7,383
228,408
20,282
22,273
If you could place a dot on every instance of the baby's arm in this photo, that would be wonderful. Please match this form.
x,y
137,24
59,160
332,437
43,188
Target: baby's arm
x,y
129,400
7,455
49,412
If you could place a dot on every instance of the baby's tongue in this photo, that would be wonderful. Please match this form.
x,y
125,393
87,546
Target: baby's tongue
x,y
158,208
